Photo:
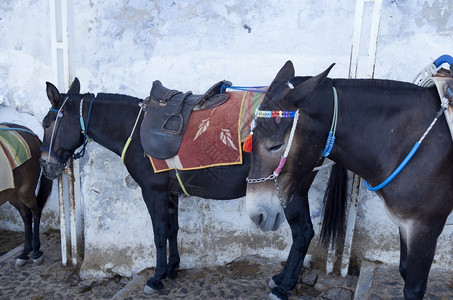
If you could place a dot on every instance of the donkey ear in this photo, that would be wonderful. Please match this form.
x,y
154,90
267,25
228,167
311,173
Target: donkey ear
x,y
306,89
75,87
285,73
53,94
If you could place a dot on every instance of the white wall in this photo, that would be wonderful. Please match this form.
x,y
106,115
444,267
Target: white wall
x,y
189,45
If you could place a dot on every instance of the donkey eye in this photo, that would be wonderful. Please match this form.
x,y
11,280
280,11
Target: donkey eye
x,y
275,148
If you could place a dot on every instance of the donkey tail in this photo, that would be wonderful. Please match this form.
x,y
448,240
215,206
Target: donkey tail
x,y
333,224
45,188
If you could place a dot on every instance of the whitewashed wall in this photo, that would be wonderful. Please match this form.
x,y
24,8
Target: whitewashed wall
x,y
188,45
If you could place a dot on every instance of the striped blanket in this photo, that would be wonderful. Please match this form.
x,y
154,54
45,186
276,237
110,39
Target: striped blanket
x,y
213,137
14,151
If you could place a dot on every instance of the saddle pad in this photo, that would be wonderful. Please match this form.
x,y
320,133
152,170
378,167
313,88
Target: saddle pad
x,y
213,137
251,101
14,151
440,82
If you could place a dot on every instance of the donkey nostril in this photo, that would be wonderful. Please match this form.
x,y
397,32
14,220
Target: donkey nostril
x,y
276,221
258,219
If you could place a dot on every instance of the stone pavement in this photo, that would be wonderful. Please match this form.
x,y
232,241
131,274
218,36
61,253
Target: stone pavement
x,y
242,279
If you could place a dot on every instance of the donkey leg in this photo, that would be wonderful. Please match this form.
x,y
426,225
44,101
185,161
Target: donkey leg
x,y
403,252
421,247
36,242
298,216
157,204
173,227
22,259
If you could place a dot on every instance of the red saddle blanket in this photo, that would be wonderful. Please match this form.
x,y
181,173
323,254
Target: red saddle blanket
x,y
213,137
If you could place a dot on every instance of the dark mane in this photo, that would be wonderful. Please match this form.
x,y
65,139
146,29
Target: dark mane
x,y
374,83
125,99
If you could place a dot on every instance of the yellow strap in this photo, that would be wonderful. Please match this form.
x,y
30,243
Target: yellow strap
x,y
181,184
125,149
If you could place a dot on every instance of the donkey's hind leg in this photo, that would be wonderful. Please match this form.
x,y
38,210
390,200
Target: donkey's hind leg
x,y
173,227
36,242
421,246
26,216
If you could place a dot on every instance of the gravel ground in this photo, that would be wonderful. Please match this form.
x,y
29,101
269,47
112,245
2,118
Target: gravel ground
x,y
242,279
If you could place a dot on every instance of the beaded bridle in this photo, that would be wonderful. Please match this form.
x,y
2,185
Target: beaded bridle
x,y
292,114
274,176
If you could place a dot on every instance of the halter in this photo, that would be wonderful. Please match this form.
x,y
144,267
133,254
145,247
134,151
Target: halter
x,y
276,114
84,129
289,114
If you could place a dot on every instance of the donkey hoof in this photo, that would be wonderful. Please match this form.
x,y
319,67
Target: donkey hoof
x,y
21,262
271,284
39,260
272,297
149,290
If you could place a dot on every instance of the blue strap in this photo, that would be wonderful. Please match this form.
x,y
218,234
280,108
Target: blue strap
x,y
258,89
396,172
81,153
443,59
333,128
17,129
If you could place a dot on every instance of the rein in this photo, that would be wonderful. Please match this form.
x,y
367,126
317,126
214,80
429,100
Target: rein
x,y
59,112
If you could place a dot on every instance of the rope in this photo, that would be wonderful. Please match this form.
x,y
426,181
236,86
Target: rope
x,y
84,129
258,89
129,139
410,155
59,115
333,128
18,129
181,183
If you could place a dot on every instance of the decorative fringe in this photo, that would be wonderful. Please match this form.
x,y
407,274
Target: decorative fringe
x,y
247,147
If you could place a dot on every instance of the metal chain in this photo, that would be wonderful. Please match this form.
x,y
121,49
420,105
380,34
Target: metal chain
x,y
277,188
259,180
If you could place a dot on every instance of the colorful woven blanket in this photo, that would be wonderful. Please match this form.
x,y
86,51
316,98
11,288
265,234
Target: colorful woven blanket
x,y
14,151
213,137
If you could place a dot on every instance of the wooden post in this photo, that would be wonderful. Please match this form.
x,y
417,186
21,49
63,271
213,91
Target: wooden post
x,y
353,66
62,43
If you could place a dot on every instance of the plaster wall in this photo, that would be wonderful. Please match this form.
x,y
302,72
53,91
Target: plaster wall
x,y
122,47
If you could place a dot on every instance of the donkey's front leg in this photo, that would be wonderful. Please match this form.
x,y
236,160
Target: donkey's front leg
x,y
421,246
298,216
157,205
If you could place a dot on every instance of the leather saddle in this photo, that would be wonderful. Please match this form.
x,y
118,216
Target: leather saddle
x,y
167,112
